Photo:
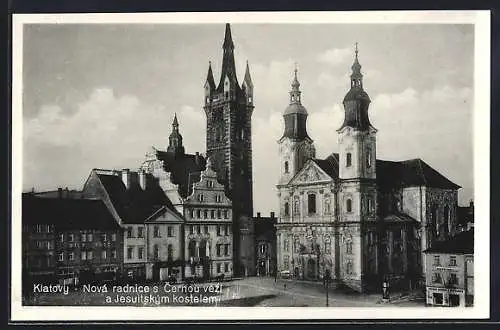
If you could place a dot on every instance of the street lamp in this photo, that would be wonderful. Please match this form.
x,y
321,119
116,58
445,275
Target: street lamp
x,y
327,281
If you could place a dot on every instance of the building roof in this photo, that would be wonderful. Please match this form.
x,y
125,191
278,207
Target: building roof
x,y
185,169
67,213
411,173
295,108
66,193
134,205
330,165
465,214
264,226
399,218
462,243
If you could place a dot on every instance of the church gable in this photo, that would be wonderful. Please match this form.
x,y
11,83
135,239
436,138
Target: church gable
x,y
311,173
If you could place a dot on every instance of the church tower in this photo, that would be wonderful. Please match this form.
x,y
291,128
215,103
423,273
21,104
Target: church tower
x,y
295,146
358,191
228,107
175,139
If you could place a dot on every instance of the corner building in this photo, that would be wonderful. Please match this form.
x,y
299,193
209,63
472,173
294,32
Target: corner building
x,y
229,107
358,218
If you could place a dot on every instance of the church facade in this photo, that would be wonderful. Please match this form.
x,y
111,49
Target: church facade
x,y
356,218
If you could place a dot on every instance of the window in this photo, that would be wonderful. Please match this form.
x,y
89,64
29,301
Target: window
x,y
61,238
348,246
368,157
205,229
219,214
286,167
328,246
104,237
226,267
218,268
225,214
437,262
212,214
191,229
71,238
287,211
90,238
83,255
296,246
113,254
83,237
140,232
170,252
311,203
113,237
226,249
71,256
453,280
218,198
200,198
198,229
262,249
205,214
129,232
218,231
348,268
296,206
348,205
104,254
170,231
60,256
436,278
89,255
191,213
218,247
130,252
369,205
156,231
156,252
286,245
348,159
226,230
140,253
453,261
210,183
328,204
286,262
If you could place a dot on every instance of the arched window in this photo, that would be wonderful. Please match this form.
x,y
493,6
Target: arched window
x,y
192,249
348,205
296,246
328,246
286,245
296,206
447,219
368,157
287,211
348,159
286,167
327,203
311,203
170,252
348,246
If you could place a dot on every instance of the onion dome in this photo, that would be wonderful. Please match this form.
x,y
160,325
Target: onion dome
x,y
295,114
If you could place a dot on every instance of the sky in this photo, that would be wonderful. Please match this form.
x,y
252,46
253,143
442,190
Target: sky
x,y
101,95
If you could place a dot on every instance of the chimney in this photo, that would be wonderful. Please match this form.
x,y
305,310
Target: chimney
x,y
258,214
142,179
272,215
471,204
59,192
126,177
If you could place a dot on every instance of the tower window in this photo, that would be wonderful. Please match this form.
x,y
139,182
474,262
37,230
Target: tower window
x,y
311,203
286,167
226,95
368,158
348,205
348,159
287,211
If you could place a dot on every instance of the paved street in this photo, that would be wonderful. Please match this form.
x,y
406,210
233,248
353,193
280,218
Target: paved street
x,y
248,292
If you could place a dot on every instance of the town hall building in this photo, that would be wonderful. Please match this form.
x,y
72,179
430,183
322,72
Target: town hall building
x,y
350,215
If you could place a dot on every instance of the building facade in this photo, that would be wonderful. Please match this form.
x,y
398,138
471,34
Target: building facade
x,y
360,219
228,107
449,267
265,243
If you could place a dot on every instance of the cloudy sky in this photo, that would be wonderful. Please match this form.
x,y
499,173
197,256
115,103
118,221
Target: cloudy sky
x,y
102,95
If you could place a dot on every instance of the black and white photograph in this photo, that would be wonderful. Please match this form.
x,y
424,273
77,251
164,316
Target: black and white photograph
x,y
334,160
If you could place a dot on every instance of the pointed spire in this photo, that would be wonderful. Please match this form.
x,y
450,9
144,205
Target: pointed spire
x,y
210,75
248,78
295,92
175,123
295,83
228,40
356,76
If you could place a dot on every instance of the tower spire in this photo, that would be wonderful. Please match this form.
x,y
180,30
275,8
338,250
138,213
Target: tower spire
x,y
295,91
175,139
210,76
228,64
356,76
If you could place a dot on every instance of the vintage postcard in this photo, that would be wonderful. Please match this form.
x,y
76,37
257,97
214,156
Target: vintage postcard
x,y
334,162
